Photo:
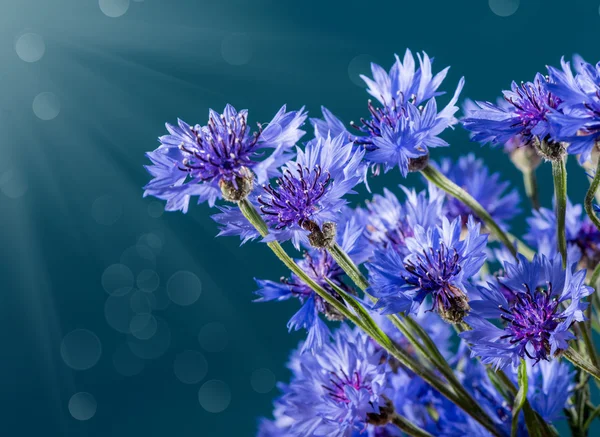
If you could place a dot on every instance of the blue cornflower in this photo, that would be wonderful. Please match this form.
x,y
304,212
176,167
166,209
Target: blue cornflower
x,y
438,266
578,120
473,176
551,384
583,238
310,192
400,132
320,266
536,309
335,392
520,120
194,160
390,223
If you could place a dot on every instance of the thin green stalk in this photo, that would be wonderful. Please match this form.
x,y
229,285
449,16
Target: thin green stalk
x,y
397,352
581,363
591,418
530,182
589,198
589,344
559,174
595,276
407,427
348,266
437,178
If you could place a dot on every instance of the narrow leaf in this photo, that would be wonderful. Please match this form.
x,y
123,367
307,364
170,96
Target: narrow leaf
x,y
520,398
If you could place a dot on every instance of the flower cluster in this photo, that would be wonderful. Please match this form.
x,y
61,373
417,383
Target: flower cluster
x,y
452,315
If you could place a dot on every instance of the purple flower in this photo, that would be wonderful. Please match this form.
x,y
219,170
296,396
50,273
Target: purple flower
x,y
408,121
439,265
332,393
472,175
538,305
193,160
390,223
319,266
523,115
312,188
578,120
583,238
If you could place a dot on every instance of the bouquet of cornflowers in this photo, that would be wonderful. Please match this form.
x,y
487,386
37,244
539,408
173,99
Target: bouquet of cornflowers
x,y
423,314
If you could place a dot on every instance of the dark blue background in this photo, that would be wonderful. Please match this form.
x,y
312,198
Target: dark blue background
x,y
117,80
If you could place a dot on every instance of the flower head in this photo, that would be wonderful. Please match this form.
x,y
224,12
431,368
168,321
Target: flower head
x,y
310,191
536,309
390,223
438,266
195,160
320,267
333,392
583,238
520,120
579,117
400,132
472,175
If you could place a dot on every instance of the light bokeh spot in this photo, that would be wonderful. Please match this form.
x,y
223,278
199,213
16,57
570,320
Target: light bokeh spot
x,y
13,183
113,8
80,349
214,396
143,326
184,288
360,64
504,8
117,280
82,406
46,106
190,367
155,346
118,313
263,380
30,47
148,280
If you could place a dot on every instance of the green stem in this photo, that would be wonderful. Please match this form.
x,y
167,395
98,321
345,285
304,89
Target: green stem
x,y
437,178
581,363
530,182
407,427
348,266
559,174
589,344
397,352
589,198
595,276
590,419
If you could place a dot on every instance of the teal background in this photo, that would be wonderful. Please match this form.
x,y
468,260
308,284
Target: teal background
x,y
117,80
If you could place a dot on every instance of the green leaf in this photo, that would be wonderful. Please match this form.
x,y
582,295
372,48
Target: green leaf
x,y
520,398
